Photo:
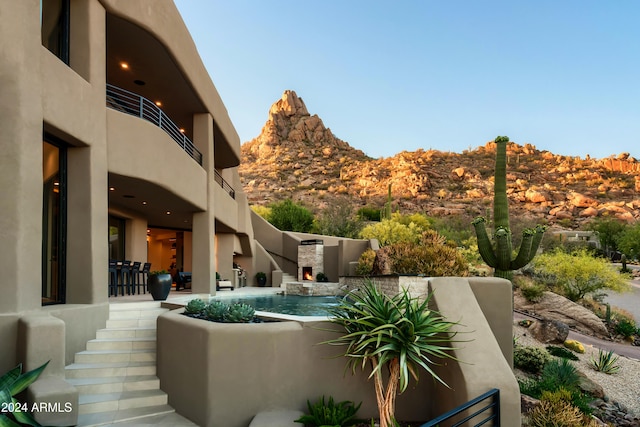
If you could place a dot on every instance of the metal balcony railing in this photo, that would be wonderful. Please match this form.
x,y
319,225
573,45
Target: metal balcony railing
x,y
136,105
491,412
225,185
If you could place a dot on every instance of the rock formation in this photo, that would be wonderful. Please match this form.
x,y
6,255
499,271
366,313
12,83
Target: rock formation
x,y
296,156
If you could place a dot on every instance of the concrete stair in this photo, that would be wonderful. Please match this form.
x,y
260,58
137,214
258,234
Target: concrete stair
x,y
286,277
116,374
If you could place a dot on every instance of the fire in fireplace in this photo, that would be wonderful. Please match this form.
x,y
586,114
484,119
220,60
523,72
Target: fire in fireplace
x,y
307,273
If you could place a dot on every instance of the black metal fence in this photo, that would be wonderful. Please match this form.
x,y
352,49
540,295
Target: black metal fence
x,y
490,411
225,185
136,105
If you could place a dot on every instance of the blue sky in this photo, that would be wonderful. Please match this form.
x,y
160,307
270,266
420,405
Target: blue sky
x,y
388,76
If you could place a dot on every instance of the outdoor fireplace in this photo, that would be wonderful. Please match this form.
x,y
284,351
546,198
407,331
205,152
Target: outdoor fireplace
x,y
307,273
310,259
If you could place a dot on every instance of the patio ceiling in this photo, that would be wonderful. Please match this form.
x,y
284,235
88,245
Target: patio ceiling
x,y
130,195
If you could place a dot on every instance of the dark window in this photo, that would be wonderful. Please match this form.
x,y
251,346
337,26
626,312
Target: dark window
x,y
54,221
116,238
54,27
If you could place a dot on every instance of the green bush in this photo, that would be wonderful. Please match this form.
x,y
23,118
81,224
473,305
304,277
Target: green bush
x,y
626,328
533,292
341,414
578,274
530,359
560,373
561,352
369,214
557,413
290,216
365,263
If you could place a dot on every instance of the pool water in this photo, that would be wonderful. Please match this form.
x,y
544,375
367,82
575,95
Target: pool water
x,y
289,304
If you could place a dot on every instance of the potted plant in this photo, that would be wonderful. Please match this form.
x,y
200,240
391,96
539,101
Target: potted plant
x,y
261,278
159,284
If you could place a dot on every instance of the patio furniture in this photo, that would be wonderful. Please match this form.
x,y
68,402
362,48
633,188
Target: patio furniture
x,y
125,277
183,280
113,277
135,272
145,275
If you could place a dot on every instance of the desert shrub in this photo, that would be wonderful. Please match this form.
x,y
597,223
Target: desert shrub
x,y
290,216
338,220
579,274
365,263
263,211
561,352
341,414
626,328
368,213
606,362
556,412
629,241
560,374
390,231
431,255
574,345
533,292
530,359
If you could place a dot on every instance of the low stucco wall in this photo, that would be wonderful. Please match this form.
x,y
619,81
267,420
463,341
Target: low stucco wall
x,y
223,374
483,306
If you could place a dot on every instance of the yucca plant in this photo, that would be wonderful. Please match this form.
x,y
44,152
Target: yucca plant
x,y
12,383
606,362
400,334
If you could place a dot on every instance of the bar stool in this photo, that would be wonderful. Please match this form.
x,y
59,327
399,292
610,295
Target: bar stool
x,y
145,274
125,276
113,277
135,272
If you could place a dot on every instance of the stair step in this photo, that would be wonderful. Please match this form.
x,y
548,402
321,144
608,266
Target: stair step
x,y
131,323
145,343
115,306
126,333
114,356
141,414
142,313
107,402
115,384
121,369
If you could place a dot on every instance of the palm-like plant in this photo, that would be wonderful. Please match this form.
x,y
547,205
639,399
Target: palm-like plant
x,y
399,333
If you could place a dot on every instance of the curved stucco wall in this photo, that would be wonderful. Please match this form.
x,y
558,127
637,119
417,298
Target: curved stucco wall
x,y
164,22
139,149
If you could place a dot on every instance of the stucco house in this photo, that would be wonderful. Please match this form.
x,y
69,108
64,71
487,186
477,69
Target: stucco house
x,y
116,145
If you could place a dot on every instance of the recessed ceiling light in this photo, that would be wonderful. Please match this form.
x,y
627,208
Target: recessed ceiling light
x,y
112,188
144,202
140,82
182,130
159,104
168,212
124,65
128,196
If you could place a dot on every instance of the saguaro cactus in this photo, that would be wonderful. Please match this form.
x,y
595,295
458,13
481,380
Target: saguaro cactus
x,y
498,255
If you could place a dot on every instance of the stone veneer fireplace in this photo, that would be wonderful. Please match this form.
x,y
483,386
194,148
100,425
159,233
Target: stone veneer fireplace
x,y
310,259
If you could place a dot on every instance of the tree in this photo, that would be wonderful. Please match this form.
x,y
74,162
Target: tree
x,y
499,256
338,220
397,334
289,216
629,241
579,274
609,231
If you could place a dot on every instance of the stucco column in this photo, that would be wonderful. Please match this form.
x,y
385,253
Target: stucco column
x,y
20,157
203,269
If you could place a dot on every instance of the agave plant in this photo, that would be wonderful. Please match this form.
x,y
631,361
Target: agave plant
x,y
398,333
195,306
341,414
606,362
215,311
12,383
239,313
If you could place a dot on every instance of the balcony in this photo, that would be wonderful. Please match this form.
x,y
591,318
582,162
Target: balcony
x,y
225,185
136,105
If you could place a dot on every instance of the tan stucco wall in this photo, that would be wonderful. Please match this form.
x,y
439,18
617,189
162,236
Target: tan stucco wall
x,y
223,374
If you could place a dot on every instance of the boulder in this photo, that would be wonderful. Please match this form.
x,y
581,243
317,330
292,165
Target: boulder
x,y
381,263
556,307
549,331
590,387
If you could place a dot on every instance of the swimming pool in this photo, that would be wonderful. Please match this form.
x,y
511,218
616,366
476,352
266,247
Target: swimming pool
x,y
288,304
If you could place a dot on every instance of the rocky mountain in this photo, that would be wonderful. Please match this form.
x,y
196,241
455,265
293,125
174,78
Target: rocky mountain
x,y
296,156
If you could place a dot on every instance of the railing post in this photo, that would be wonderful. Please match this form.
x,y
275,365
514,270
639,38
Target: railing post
x,y
141,104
